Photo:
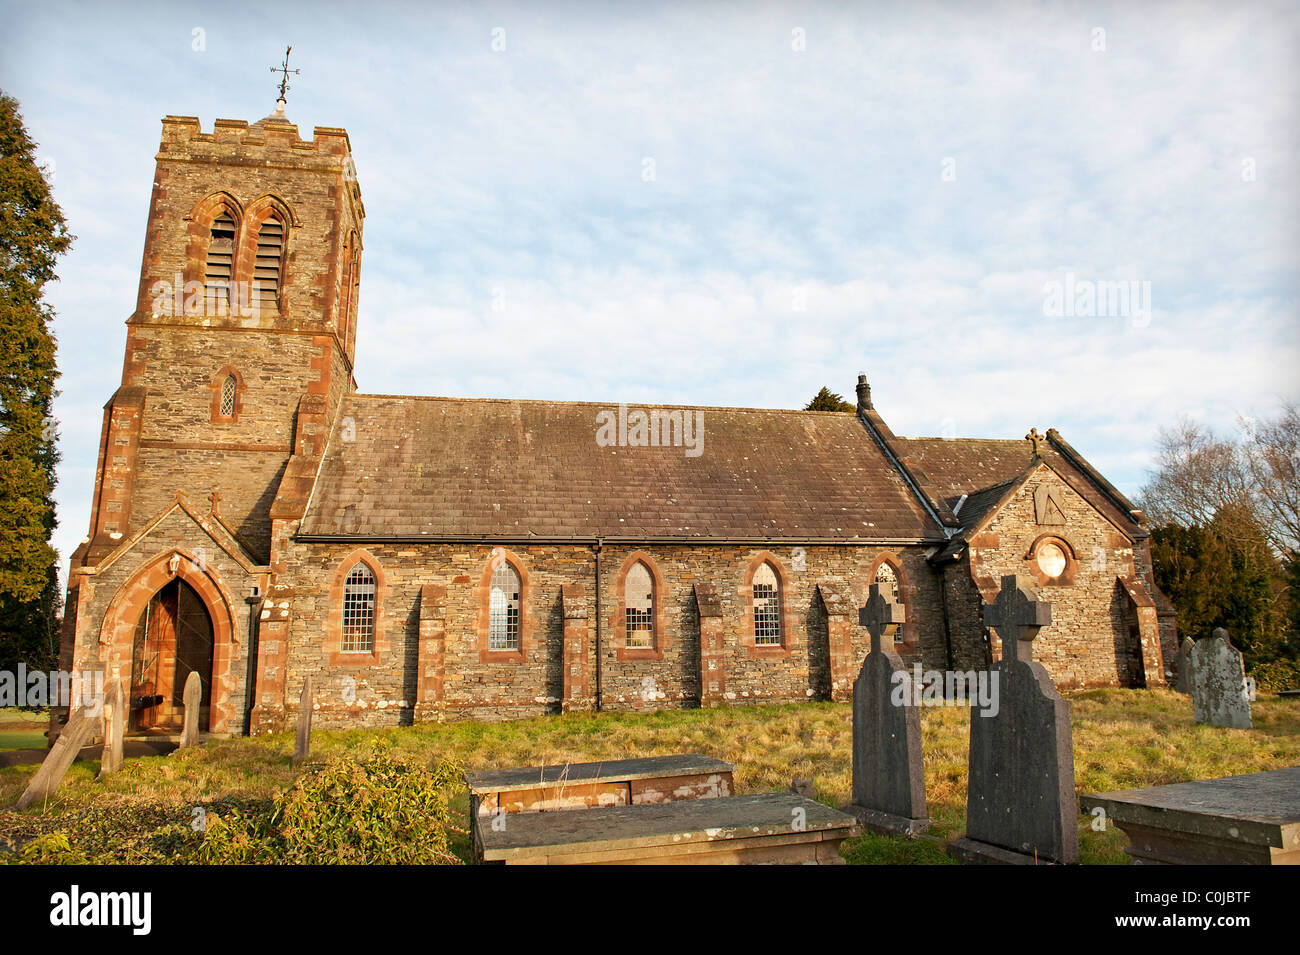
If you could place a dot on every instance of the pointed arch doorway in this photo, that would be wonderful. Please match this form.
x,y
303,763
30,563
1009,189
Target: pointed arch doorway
x,y
173,638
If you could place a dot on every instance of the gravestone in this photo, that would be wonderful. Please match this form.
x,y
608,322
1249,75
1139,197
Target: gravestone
x,y
76,733
302,744
1020,805
193,698
1219,694
888,781
1183,684
114,716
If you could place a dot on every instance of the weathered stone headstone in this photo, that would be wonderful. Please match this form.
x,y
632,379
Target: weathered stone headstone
x,y
114,717
193,698
1183,682
888,780
76,733
1020,805
1219,694
302,744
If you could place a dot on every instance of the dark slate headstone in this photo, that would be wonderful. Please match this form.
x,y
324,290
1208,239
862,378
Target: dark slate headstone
x,y
114,716
192,698
302,743
888,780
1219,683
80,727
1183,683
1020,805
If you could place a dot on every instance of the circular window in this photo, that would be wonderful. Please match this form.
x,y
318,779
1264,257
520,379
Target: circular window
x,y
1051,559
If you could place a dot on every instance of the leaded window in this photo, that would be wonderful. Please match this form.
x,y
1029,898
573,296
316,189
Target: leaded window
x,y
228,388
503,608
767,607
359,610
639,599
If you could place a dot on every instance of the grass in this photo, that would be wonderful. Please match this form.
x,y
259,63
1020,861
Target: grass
x,y
1122,739
23,729
22,739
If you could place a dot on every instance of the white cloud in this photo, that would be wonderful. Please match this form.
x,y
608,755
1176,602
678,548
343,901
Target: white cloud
x,y
777,174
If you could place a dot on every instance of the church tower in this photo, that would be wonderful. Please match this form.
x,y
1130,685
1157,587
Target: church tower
x,y
244,326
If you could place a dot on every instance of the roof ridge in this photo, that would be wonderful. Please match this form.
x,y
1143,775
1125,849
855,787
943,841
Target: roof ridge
x,y
604,405
939,437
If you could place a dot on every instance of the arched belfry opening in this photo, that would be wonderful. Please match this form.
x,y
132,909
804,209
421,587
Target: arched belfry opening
x,y
173,638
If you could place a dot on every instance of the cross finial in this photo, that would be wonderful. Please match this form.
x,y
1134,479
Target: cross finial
x,y
881,616
283,69
1034,438
1017,615
215,498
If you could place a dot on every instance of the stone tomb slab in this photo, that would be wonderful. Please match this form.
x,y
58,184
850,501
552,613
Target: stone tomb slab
x,y
769,828
618,782
615,782
1237,820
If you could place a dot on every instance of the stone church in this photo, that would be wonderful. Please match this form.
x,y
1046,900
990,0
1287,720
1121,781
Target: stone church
x,y
256,519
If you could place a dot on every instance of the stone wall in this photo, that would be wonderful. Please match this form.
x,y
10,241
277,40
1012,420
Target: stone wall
x,y
182,447
381,688
110,597
1089,642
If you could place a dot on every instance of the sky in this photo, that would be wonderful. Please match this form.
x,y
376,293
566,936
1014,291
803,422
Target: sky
x,y
734,204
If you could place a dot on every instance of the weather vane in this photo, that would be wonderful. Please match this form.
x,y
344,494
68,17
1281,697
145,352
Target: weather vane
x,y
284,69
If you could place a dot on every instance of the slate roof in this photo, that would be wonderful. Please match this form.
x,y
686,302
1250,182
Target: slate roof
x,y
468,468
984,469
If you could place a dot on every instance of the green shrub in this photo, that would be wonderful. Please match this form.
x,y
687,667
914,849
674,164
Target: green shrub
x,y
51,848
1277,675
381,809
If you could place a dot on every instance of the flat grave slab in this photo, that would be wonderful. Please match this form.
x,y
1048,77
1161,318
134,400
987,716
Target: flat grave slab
x,y
617,782
769,828
1238,820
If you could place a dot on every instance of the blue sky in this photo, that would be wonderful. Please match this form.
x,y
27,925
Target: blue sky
x,y
836,188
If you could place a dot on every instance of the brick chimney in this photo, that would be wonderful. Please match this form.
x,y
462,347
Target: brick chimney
x,y
864,394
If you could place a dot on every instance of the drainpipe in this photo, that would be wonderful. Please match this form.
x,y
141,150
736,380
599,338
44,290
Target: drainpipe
x,y
596,548
250,677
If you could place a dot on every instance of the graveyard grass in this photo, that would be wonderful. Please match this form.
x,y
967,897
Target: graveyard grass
x,y
1123,739
22,729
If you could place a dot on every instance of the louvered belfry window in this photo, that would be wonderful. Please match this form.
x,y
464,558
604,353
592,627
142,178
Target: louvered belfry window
x,y
359,610
228,388
767,608
221,255
639,598
270,258
503,609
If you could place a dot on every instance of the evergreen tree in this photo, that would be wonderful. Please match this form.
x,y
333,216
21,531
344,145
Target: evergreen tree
x,y
1215,579
32,237
827,400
